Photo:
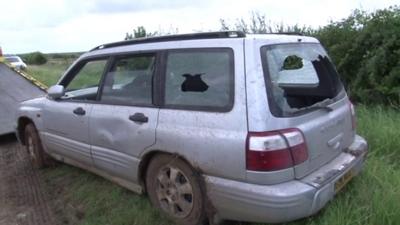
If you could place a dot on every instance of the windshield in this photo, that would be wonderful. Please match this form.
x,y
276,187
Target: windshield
x,y
299,76
12,59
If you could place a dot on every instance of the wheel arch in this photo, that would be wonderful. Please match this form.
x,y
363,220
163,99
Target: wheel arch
x,y
23,121
210,211
148,156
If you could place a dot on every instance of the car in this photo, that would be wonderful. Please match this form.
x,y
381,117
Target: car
x,y
1,55
212,126
16,62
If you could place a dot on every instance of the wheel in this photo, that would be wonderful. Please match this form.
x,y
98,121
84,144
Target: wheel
x,y
34,147
175,189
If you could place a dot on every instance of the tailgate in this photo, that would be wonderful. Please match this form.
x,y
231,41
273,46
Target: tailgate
x,y
326,133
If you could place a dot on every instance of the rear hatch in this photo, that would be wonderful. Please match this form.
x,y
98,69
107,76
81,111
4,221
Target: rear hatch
x,y
305,92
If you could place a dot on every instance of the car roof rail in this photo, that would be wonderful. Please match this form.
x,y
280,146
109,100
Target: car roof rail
x,y
289,33
177,37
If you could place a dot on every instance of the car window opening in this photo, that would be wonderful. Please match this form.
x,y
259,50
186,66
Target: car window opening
x,y
292,62
200,79
130,81
301,77
193,83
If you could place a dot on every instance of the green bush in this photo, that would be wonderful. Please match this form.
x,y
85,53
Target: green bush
x,y
35,58
366,50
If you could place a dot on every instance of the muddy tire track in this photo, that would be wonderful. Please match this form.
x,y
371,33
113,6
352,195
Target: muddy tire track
x,y
23,199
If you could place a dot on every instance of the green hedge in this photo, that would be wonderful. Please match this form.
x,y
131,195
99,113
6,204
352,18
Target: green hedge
x,y
366,50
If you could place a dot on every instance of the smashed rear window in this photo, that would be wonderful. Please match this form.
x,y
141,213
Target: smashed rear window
x,y
299,77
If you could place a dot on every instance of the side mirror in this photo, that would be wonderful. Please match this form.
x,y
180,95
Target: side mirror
x,y
56,91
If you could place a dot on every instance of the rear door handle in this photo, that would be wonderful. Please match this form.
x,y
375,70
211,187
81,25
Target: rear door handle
x,y
79,111
139,117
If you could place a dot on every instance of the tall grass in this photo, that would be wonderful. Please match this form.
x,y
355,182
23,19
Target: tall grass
x,y
372,198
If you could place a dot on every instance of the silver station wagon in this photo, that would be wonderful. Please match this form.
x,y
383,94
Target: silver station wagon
x,y
212,126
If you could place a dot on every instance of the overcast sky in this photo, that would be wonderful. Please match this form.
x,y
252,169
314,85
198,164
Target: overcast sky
x,y
77,25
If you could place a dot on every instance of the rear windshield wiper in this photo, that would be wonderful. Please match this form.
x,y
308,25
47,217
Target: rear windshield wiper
x,y
323,105
311,108
315,107
326,108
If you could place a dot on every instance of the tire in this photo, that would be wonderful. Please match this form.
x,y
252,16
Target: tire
x,y
37,156
175,189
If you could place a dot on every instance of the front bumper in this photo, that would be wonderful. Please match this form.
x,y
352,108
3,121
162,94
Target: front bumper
x,y
235,200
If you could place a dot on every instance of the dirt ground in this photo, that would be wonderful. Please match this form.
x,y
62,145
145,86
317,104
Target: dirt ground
x,y
23,199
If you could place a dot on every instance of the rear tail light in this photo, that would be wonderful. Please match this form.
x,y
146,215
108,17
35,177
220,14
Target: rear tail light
x,y
275,150
353,116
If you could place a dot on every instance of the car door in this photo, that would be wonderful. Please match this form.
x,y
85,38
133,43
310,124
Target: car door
x,y
66,121
123,124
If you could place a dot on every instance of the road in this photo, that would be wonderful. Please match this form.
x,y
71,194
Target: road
x,y
23,199
13,89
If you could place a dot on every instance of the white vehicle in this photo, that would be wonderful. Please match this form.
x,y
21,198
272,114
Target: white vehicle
x,y
16,62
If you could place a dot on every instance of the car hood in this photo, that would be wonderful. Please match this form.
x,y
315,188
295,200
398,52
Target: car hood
x,y
35,102
17,63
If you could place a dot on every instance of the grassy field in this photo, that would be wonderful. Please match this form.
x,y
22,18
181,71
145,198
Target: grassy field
x,y
50,72
373,198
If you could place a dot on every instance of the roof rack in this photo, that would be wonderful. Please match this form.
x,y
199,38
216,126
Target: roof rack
x,y
178,37
289,33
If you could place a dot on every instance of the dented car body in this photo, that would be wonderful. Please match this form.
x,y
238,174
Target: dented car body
x,y
263,119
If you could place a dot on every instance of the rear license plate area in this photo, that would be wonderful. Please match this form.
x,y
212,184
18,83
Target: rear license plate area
x,y
342,181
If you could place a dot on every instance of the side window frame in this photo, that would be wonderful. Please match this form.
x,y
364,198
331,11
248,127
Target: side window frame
x,y
77,68
162,87
155,79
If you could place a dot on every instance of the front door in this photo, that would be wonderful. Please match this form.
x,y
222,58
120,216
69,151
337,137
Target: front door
x,y
123,125
66,120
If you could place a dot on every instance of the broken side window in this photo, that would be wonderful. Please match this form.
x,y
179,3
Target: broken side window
x,y
199,78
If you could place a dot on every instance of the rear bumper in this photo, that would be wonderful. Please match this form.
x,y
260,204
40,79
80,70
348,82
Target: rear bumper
x,y
287,201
